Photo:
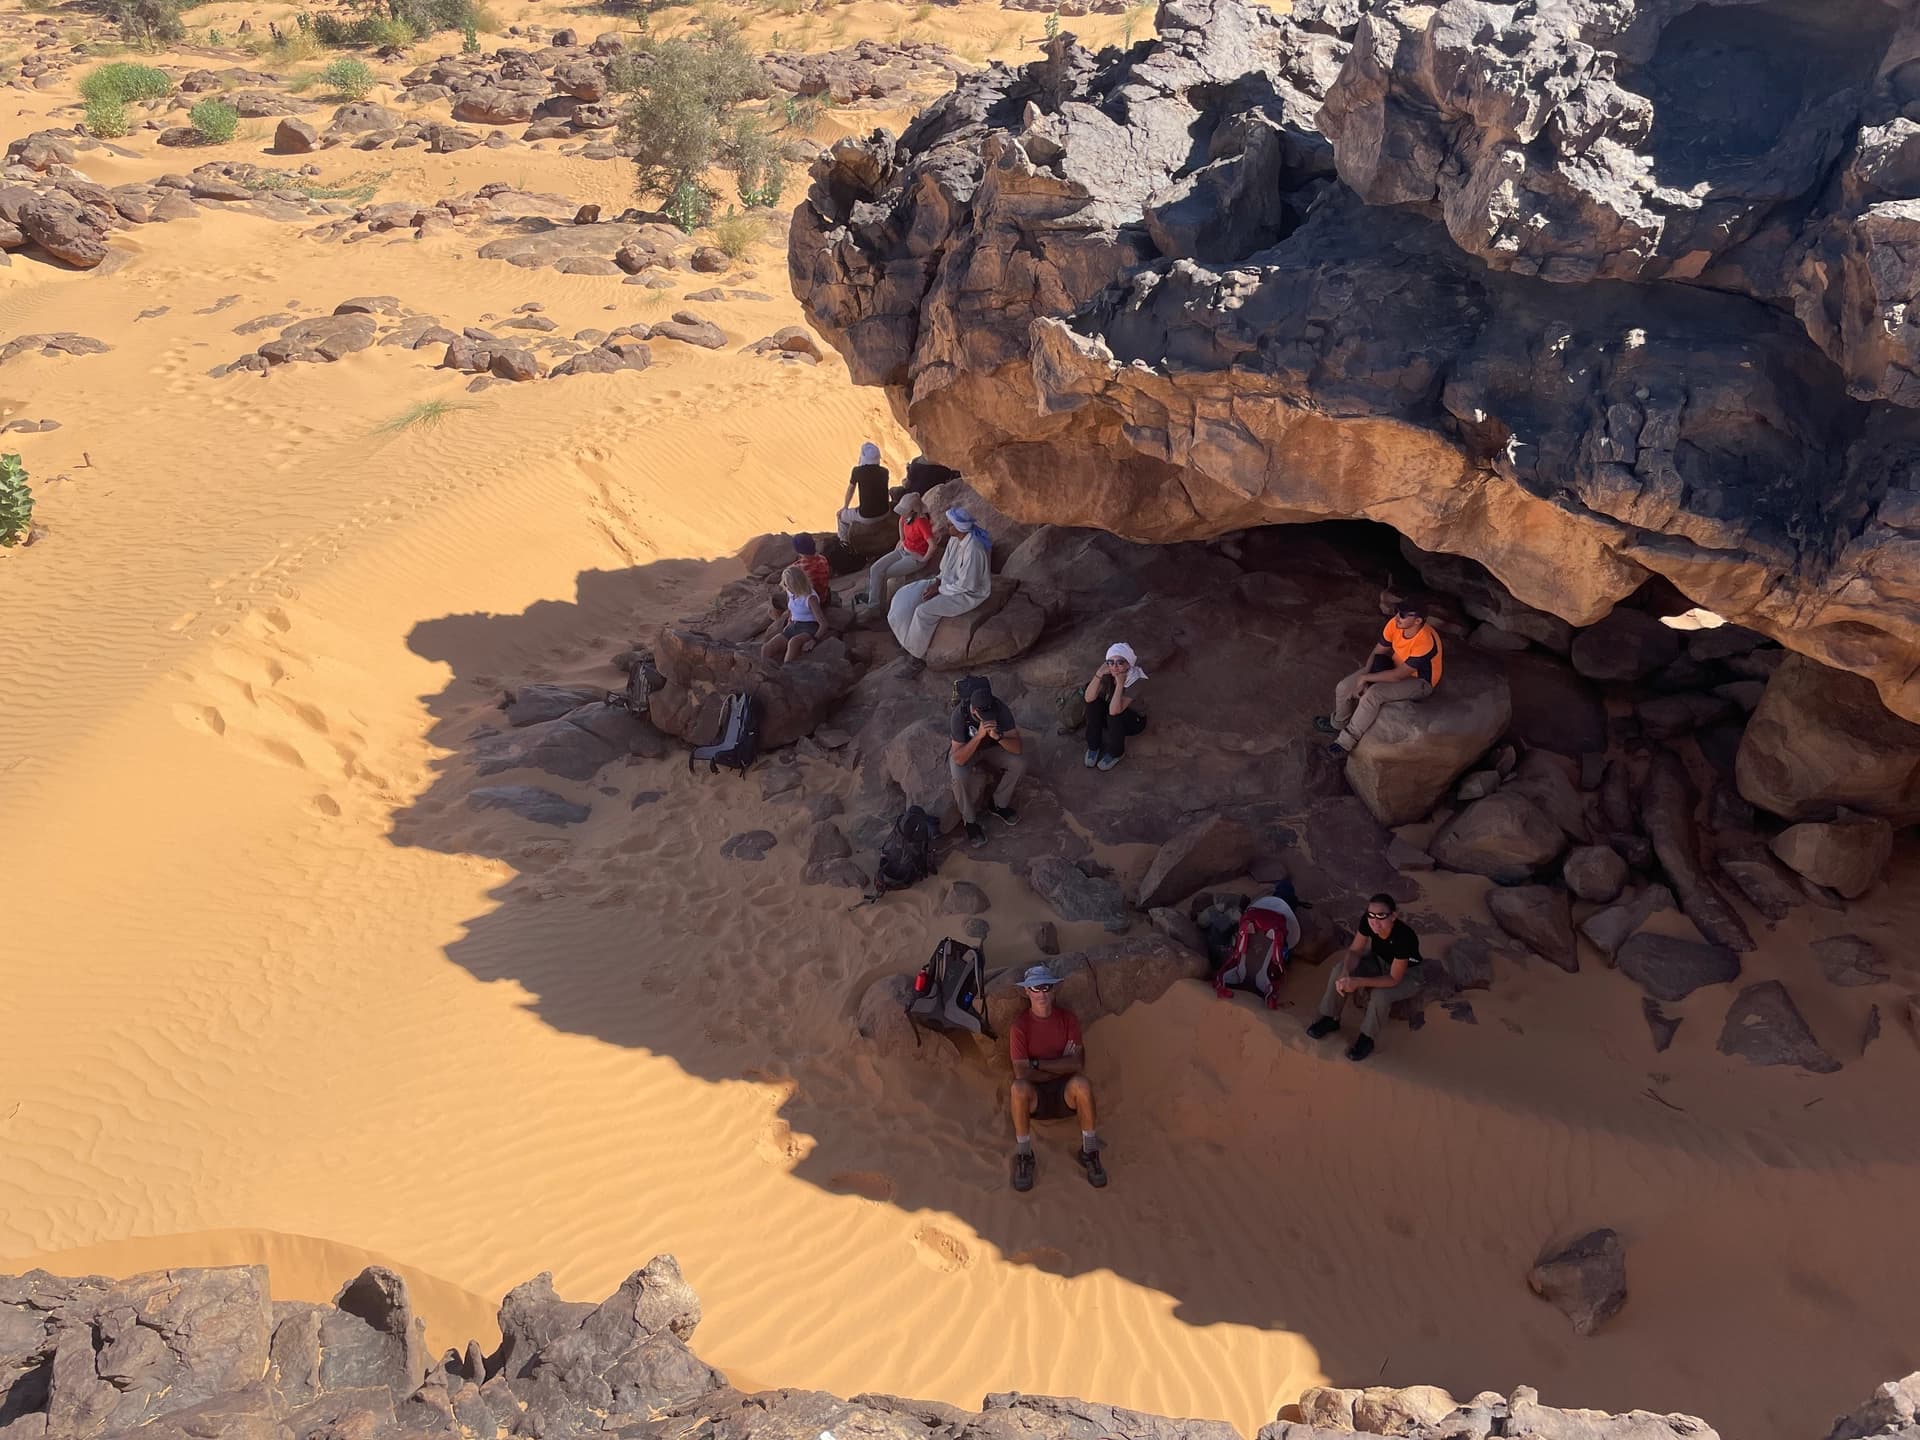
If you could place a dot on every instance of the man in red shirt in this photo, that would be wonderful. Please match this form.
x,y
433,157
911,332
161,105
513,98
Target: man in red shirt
x,y
1049,1077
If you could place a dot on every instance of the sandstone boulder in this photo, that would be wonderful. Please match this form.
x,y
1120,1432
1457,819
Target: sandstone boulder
x,y
1609,928
916,760
1003,627
1820,739
325,337
1215,848
1764,1027
1594,872
690,329
1076,895
1845,854
295,137
1586,1278
1504,837
360,116
1669,968
1416,749
792,699
1539,917
65,229
490,105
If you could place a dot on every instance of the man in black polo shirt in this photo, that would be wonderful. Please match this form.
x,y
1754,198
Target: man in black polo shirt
x,y
1384,961
983,736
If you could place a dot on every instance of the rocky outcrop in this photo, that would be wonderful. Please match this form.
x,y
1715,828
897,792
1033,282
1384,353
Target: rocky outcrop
x,y
1503,278
208,1353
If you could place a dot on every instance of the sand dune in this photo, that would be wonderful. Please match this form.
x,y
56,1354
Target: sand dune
x,y
269,978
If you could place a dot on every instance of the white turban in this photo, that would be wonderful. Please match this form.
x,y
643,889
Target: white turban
x,y
1123,651
869,454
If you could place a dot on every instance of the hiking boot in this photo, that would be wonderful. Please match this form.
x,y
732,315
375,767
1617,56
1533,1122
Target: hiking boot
x,y
1107,762
1319,1030
1360,1048
1324,724
1096,1172
1337,750
1004,813
1093,759
1023,1168
976,834
860,598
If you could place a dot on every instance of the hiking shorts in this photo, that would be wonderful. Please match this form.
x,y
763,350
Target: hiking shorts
x,y
801,630
1051,1101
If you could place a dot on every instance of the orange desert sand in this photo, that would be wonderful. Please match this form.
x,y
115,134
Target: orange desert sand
x,y
273,992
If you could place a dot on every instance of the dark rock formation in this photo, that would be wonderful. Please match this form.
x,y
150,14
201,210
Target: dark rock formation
x,y
1587,292
1586,1278
1765,1027
206,1354
1672,969
1820,739
1845,854
1415,750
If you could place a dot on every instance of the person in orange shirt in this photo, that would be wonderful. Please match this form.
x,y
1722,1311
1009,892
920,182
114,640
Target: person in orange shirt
x,y
1405,665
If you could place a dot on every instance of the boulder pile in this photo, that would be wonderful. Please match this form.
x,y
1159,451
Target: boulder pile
x,y
209,1353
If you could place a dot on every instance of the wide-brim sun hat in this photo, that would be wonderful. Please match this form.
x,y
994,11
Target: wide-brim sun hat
x,y
1038,975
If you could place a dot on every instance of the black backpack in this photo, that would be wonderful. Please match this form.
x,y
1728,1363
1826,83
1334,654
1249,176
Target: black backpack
x,y
739,738
907,856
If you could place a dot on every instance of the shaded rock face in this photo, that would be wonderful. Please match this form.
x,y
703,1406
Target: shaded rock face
x,y
1820,739
205,1353
1585,292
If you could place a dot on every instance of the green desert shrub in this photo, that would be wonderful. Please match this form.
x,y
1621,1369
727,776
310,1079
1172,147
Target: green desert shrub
x,y
106,119
348,77
147,22
16,502
125,83
679,121
215,120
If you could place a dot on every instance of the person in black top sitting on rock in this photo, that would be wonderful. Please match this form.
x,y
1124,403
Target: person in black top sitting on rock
x,y
923,474
869,479
1384,961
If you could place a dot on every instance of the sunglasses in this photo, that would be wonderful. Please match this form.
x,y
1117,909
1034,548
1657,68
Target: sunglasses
x,y
1378,915
1039,989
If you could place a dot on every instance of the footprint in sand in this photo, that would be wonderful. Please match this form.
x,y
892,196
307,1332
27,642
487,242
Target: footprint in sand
x,y
867,1184
201,717
780,1146
326,805
940,1251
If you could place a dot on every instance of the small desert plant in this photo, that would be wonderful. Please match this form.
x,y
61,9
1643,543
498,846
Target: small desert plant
x,y
124,82
147,22
802,112
1135,14
735,234
923,11
213,37
106,119
755,159
1052,25
349,77
425,413
215,120
16,502
469,38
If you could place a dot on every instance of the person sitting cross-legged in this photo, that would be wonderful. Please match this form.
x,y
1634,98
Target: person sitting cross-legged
x,y
1405,665
801,621
1049,1077
1384,962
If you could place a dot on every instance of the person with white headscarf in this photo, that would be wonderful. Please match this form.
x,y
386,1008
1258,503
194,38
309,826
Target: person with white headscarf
x,y
964,582
907,559
1111,716
870,480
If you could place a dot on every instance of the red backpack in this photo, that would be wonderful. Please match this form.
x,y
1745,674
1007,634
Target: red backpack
x,y
1268,932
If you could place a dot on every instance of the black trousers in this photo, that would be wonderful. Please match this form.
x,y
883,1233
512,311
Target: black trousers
x,y
1107,734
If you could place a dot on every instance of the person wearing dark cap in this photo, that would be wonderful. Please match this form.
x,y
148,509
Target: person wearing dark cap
x,y
1405,665
983,735
806,554
1049,1077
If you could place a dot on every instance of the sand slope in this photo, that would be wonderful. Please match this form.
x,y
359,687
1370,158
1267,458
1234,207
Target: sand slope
x,y
267,977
